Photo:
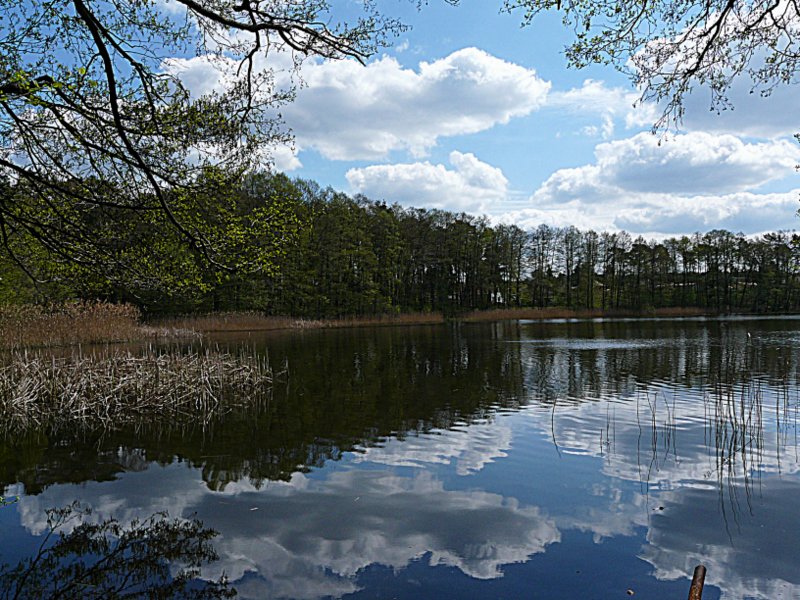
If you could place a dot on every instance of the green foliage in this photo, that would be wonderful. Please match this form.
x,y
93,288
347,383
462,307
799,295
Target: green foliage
x,y
297,249
670,47
251,222
101,143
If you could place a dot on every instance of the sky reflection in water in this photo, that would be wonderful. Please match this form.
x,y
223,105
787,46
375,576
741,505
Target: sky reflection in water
x,y
506,460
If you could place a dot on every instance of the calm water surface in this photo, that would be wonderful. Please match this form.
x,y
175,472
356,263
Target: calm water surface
x,y
505,460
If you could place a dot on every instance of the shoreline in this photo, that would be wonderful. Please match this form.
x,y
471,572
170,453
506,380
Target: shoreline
x,y
31,327
254,322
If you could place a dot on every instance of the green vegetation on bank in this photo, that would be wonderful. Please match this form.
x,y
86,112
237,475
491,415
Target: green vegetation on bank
x,y
334,257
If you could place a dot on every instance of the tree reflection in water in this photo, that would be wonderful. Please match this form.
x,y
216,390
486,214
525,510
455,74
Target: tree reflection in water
x,y
157,557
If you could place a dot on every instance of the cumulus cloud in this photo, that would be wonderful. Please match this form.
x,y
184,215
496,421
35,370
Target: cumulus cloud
x,y
681,184
750,113
347,111
747,107
693,163
470,185
202,75
595,99
660,215
171,8
746,212
747,112
285,158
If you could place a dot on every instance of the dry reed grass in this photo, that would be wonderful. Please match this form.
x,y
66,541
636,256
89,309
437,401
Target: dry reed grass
x,y
543,314
252,321
110,390
373,321
31,326
226,322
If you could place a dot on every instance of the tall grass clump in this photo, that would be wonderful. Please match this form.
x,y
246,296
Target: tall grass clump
x,y
25,326
226,322
544,314
254,321
110,390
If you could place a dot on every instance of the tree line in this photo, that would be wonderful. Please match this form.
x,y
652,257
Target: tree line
x,y
332,255
109,132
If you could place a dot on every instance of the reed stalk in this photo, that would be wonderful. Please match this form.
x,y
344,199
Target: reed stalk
x,y
112,390
543,314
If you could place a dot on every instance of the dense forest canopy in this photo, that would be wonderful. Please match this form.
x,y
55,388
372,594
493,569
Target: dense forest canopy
x,y
96,125
346,256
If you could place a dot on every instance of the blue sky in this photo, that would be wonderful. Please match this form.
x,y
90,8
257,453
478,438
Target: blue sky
x,y
468,111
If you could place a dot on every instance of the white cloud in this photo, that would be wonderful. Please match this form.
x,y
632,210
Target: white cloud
x,y
660,215
285,158
750,113
747,212
685,183
747,107
693,163
471,185
202,75
349,111
594,98
171,8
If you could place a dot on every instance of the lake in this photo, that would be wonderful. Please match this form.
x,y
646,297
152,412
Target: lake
x,y
591,459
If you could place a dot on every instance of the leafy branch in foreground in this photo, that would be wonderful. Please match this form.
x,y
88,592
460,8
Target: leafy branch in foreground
x,y
95,119
156,557
669,47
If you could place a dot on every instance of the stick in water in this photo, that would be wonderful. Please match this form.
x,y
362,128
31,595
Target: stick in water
x,y
696,591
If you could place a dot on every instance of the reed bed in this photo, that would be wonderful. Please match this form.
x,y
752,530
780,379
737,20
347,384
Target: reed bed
x,y
111,390
252,321
73,323
543,314
422,318
226,322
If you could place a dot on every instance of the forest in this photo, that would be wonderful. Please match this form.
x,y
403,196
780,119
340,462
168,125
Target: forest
x,y
332,256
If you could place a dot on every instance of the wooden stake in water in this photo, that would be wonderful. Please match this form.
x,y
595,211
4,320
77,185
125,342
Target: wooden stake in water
x,y
696,591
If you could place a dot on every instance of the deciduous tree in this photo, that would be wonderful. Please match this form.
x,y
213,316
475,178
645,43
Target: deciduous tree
x,y
94,115
669,46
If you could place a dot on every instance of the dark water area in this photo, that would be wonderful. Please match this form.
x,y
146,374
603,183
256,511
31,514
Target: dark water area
x,y
495,460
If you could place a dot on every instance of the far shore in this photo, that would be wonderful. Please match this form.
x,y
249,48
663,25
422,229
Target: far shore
x,y
251,321
88,323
